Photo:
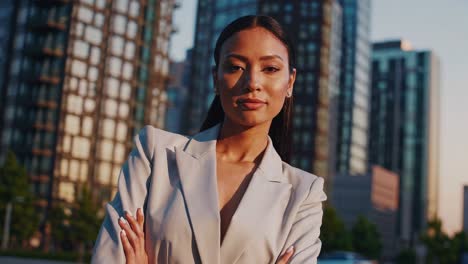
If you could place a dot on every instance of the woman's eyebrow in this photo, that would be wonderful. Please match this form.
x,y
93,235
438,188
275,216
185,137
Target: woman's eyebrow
x,y
242,58
237,56
271,57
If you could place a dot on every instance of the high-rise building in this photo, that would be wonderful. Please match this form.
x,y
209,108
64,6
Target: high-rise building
x,y
404,128
465,208
373,195
315,28
177,93
353,109
80,79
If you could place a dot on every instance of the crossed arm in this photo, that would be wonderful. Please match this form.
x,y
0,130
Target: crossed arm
x,y
133,239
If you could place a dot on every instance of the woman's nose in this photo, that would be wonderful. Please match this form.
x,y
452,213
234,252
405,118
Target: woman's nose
x,y
253,81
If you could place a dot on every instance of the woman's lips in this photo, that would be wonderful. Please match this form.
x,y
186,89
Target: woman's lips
x,y
251,104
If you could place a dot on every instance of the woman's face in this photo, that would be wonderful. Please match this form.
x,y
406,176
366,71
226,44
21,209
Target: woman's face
x,y
253,77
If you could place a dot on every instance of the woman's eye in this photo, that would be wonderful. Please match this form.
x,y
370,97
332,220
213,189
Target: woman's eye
x,y
271,69
234,68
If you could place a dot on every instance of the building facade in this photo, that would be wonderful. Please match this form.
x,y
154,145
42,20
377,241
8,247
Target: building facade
x,y
353,103
373,195
404,128
83,78
315,29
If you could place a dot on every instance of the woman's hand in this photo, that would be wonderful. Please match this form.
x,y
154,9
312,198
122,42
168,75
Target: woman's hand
x,y
133,238
286,256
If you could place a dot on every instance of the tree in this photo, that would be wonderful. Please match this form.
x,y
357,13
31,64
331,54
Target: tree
x,y
439,246
406,256
333,232
15,189
366,238
60,224
84,221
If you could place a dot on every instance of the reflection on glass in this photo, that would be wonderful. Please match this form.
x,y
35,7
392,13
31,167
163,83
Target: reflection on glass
x,y
81,147
119,24
114,66
74,170
108,128
129,50
127,71
112,87
121,133
105,150
123,110
63,167
104,172
80,49
78,68
84,14
66,191
89,105
117,45
87,128
95,56
119,152
125,91
110,107
93,35
72,124
84,171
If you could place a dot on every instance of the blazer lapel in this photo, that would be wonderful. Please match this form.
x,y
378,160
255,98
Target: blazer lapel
x,y
266,185
197,171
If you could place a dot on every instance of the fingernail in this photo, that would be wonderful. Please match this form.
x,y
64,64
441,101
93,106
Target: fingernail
x,y
140,211
290,249
121,219
123,232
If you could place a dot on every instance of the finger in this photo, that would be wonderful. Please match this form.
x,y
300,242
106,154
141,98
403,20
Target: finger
x,y
286,255
134,224
132,237
140,218
128,249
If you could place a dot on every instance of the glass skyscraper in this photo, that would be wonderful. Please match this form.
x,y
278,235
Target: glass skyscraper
x,y
80,79
315,28
404,128
352,125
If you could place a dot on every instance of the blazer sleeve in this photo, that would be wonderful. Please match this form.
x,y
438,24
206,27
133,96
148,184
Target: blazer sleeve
x,y
305,231
131,194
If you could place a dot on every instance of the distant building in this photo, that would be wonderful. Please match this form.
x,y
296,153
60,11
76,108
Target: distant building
x,y
465,208
177,94
404,129
373,195
78,80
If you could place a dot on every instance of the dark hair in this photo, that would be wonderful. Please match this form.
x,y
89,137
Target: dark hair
x,y
280,129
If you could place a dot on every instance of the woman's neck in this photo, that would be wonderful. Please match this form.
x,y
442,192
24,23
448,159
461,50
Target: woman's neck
x,y
241,144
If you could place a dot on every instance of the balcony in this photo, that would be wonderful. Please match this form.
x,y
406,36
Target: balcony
x,y
44,126
45,51
45,24
45,79
46,104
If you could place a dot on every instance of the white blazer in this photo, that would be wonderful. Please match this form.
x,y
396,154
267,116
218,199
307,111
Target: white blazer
x,y
173,178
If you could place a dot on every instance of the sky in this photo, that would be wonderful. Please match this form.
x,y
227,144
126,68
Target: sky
x,y
439,26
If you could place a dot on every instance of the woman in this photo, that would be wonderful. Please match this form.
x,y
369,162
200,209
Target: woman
x,y
225,195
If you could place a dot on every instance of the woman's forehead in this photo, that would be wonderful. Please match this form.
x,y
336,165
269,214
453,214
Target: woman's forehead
x,y
255,41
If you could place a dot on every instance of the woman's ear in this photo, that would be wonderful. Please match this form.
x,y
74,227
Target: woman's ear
x,y
214,75
292,79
